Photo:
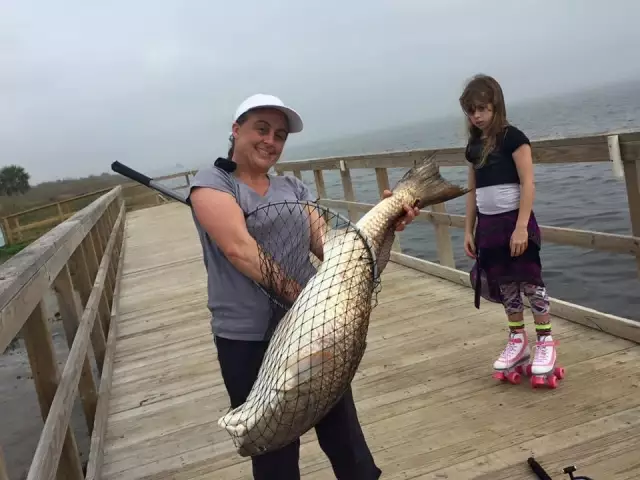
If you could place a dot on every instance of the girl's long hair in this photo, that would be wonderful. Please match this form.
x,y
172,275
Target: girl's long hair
x,y
482,90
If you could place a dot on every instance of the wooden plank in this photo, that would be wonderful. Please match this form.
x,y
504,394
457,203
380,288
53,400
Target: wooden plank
x,y
608,242
44,368
96,451
25,277
605,322
50,443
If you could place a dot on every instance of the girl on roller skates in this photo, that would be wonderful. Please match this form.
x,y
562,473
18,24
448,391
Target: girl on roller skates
x,y
506,242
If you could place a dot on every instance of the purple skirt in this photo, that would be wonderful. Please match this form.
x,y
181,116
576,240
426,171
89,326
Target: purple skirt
x,y
494,264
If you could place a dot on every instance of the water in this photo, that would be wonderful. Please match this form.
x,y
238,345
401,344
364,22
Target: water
x,y
581,196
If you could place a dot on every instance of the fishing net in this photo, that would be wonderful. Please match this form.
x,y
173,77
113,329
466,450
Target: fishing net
x,y
319,321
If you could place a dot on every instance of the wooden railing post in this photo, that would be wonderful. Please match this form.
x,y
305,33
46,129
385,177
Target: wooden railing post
x,y
443,239
632,182
44,368
319,179
96,243
8,233
60,212
347,188
82,274
382,179
71,313
17,229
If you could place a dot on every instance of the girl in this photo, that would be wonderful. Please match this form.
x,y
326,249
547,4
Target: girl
x,y
507,239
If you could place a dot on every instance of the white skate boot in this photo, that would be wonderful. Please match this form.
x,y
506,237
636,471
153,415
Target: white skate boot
x,y
510,365
542,369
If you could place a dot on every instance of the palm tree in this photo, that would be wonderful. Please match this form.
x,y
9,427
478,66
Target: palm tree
x,y
14,180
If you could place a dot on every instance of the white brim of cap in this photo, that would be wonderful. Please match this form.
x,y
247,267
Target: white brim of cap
x,y
295,121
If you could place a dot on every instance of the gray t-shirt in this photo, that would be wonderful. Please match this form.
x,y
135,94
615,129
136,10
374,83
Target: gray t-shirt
x,y
240,310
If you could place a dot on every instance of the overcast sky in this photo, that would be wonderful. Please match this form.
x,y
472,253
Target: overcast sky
x,y
154,83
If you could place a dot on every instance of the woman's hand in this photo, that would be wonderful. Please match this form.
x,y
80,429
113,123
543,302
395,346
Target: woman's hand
x,y
469,245
290,290
408,217
519,241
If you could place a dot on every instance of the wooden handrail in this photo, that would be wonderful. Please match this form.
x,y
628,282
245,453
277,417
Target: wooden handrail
x,y
563,150
622,149
77,255
16,230
102,191
609,242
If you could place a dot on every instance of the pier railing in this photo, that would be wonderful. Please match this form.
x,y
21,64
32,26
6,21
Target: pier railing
x,y
80,260
30,224
622,150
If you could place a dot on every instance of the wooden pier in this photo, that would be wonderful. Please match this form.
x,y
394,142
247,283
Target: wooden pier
x,y
132,294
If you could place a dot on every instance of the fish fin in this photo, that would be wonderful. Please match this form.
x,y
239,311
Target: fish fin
x,y
427,185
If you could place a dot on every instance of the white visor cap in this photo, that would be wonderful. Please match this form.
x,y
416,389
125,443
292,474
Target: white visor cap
x,y
261,100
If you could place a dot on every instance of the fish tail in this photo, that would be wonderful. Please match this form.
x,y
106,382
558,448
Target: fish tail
x,y
426,186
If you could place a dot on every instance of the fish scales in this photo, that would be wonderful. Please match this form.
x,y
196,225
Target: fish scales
x,y
317,347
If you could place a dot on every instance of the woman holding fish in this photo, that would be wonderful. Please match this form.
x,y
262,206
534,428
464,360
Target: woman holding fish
x,y
221,196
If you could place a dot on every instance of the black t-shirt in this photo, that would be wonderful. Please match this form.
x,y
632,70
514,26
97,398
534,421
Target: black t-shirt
x,y
499,167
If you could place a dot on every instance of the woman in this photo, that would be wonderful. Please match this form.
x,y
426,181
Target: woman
x,y
241,314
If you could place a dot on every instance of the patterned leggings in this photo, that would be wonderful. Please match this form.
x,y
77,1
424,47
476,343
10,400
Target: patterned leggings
x,y
512,298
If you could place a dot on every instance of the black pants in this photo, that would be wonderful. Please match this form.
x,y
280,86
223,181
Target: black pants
x,y
339,433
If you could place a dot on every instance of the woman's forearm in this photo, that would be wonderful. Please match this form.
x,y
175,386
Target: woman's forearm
x,y
258,265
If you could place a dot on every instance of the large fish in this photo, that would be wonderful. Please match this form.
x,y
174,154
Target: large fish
x,y
316,348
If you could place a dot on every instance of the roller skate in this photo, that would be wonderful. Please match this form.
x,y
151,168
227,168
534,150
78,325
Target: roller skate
x,y
543,370
511,364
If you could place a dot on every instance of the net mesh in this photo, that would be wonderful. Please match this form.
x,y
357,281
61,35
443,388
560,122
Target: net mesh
x,y
321,272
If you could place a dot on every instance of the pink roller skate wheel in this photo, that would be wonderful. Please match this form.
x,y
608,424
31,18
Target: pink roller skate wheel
x,y
514,377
